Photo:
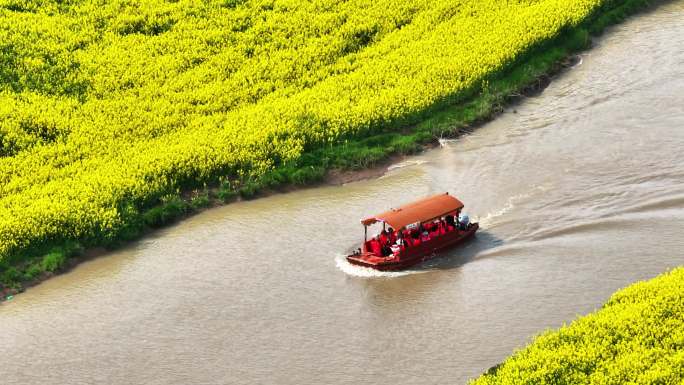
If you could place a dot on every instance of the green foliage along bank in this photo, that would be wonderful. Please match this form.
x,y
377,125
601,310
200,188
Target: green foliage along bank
x,y
636,338
109,110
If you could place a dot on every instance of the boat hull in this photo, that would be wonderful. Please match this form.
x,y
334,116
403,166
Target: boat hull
x,y
415,254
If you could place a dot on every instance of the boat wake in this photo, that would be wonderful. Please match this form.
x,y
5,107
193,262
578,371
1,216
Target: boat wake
x,y
406,163
366,272
490,220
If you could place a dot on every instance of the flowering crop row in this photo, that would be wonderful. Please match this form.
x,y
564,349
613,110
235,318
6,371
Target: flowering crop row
x,y
105,105
636,338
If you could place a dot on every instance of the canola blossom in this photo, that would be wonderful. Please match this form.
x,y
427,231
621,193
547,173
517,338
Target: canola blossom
x,y
636,338
105,106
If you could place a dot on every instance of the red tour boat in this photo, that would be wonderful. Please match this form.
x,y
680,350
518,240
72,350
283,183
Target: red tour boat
x,y
413,233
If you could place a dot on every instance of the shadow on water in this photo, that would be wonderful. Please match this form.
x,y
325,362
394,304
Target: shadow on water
x,y
464,253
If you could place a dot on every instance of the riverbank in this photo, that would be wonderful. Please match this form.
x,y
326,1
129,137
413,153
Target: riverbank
x,y
341,163
636,337
580,192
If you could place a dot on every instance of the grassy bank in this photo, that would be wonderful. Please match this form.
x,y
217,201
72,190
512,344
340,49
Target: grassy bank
x,y
117,207
636,338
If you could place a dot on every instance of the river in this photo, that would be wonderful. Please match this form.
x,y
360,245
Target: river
x,y
579,191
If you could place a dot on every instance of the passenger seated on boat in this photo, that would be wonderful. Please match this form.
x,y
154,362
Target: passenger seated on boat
x,y
375,247
392,235
450,222
407,235
400,241
425,236
442,227
415,238
383,237
435,229
386,250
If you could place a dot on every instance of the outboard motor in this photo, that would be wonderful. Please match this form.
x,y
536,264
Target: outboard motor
x,y
463,221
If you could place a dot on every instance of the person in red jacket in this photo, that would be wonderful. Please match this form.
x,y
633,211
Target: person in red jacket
x,y
401,241
450,222
415,238
434,230
375,246
383,237
392,235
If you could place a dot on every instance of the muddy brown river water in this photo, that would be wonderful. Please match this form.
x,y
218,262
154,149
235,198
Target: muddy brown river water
x,y
579,192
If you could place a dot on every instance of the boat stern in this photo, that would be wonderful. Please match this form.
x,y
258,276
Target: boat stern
x,y
372,261
366,259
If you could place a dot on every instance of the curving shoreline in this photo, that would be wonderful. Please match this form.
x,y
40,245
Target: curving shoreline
x,y
343,164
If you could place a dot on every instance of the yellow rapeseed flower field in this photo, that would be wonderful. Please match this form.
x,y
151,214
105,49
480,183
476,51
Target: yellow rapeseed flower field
x,y
105,106
636,338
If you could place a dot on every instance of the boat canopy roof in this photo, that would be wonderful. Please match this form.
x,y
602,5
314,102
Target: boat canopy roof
x,y
418,211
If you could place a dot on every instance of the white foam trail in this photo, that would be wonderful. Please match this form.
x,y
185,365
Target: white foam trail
x,y
489,219
406,163
366,272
